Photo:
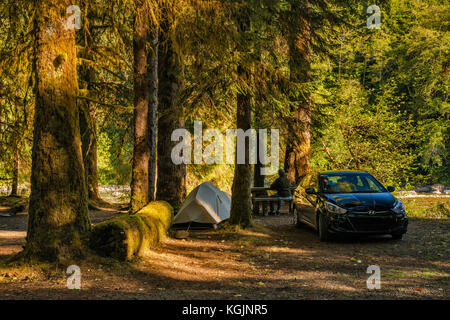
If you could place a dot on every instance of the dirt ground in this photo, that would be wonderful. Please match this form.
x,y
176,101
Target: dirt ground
x,y
273,260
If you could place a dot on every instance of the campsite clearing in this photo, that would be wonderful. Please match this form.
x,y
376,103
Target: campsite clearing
x,y
274,260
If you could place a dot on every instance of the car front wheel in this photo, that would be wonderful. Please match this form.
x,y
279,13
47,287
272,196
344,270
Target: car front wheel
x,y
397,236
297,222
324,235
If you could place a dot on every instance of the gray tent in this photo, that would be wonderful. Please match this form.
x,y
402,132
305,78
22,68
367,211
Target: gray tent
x,y
206,204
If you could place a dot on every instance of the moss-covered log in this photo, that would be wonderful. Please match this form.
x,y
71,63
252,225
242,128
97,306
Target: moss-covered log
x,y
12,205
127,236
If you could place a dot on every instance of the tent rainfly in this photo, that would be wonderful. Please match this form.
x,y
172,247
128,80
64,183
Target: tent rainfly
x,y
206,204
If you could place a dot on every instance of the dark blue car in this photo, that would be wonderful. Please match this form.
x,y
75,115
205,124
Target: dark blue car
x,y
347,202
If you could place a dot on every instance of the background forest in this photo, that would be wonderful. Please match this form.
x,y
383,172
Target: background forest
x,y
91,92
379,97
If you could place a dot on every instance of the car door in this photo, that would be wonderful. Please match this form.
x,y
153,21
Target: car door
x,y
302,204
300,197
310,209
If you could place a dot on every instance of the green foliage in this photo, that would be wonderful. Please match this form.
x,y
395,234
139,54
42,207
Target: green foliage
x,y
219,175
383,96
427,208
380,97
16,91
114,157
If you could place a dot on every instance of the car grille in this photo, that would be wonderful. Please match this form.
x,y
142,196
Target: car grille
x,y
377,213
364,225
380,220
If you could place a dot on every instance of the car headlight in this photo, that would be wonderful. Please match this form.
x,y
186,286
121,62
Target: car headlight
x,y
334,208
399,207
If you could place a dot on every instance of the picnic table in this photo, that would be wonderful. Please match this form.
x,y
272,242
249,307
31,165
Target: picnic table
x,y
266,199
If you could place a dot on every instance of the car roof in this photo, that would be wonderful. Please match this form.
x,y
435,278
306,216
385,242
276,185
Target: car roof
x,y
343,172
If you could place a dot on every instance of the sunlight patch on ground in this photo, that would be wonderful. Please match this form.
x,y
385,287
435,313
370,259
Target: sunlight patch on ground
x,y
194,265
12,235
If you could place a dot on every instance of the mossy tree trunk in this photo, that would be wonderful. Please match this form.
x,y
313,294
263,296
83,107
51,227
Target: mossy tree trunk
x,y
258,178
142,150
58,222
152,117
298,146
171,182
15,172
88,129
89,147
88,109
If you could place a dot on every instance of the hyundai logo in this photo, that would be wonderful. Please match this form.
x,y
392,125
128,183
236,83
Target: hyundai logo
x,y
372,212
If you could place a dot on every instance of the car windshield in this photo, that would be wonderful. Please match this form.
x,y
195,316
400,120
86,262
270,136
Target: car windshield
x,y
349,183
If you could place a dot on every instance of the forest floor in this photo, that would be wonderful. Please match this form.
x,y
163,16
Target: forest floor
x,y
273,260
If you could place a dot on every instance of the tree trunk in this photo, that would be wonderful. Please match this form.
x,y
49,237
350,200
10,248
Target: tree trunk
x,y
15,172
58,222
88,130
240,212
141,155
152,118
297,156
90,160
171,184
88,110
298,145
258,178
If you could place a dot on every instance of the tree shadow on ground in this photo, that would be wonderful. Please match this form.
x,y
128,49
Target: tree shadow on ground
x,y
276,261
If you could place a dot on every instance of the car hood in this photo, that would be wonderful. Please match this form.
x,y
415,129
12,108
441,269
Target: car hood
x,y
363,201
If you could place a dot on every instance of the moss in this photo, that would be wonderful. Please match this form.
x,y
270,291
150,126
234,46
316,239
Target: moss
x,y
59,60
13,204
127,236
58,216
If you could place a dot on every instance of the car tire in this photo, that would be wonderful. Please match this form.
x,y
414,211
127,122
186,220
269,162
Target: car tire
x,y
297,222
324,235
397,236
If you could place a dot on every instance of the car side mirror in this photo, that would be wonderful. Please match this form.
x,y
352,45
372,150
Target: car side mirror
x,y
310,191
391,189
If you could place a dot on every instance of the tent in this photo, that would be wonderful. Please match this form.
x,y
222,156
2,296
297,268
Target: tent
x,y
206,204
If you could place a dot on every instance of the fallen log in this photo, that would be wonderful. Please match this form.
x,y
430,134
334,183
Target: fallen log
x,y
127,236
11,205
